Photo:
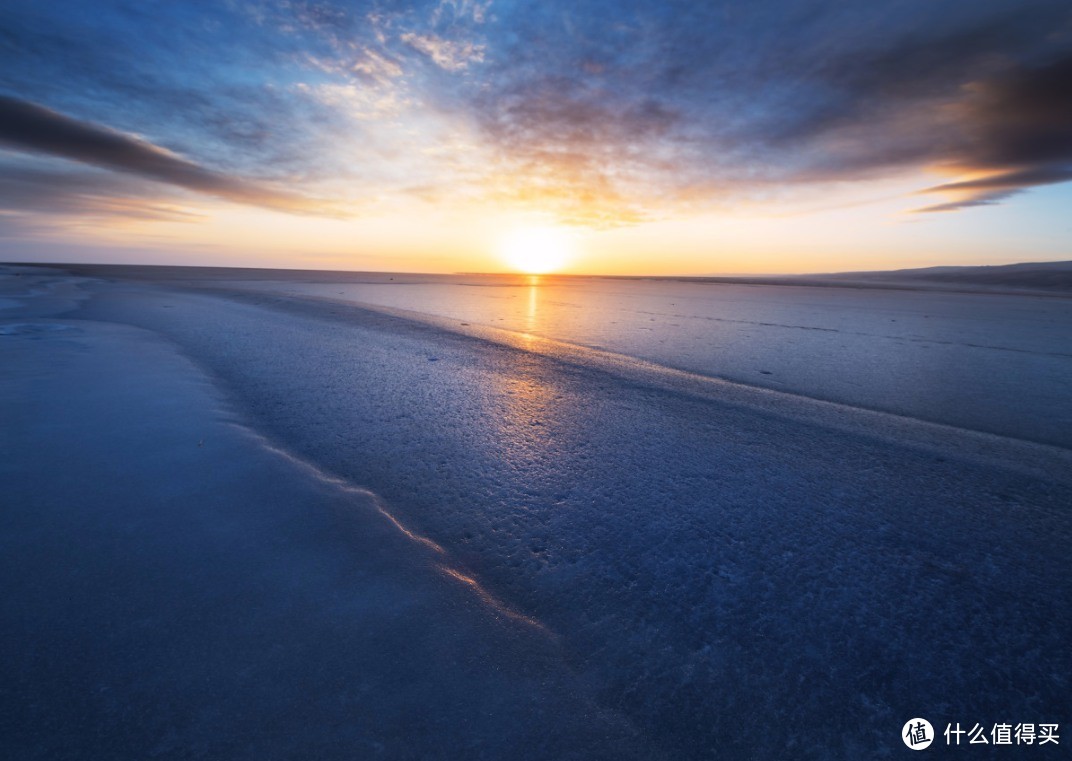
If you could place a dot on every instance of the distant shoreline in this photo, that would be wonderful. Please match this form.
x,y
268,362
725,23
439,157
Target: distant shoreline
x,y
1052,279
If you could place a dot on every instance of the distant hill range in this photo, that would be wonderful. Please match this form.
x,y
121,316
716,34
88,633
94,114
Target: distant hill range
x,y
1028,275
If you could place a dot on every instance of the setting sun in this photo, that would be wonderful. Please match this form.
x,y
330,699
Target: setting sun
x,y
537,250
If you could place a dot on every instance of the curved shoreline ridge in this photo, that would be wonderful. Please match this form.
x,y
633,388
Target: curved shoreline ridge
x,y
387,532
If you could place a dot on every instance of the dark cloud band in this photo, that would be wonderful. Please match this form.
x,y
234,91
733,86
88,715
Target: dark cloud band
x,y
29,127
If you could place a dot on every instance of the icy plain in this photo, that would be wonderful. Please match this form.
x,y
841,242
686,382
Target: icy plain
x,y
993,362
771,568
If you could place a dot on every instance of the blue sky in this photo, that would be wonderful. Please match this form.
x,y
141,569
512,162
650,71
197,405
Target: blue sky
x,y
154,129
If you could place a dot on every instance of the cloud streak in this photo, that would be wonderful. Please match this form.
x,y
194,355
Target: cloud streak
x,y
992,189
28,127
1017,134
82,192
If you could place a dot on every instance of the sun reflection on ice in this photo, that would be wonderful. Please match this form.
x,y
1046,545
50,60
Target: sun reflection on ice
x,y
534,304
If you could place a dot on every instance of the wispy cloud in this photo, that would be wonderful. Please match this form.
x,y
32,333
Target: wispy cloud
x,y
451,55
739,102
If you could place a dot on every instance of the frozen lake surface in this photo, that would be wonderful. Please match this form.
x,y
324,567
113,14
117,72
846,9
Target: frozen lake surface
x,y
718,572
992,362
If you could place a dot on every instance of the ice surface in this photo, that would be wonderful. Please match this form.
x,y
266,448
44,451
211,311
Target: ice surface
x,y
991,362
176,588
738,582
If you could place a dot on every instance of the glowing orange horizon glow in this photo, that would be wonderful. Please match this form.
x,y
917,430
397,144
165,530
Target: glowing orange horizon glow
x,y
795,236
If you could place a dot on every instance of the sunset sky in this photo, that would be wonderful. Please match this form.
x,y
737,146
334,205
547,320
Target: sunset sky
x,y
639,136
